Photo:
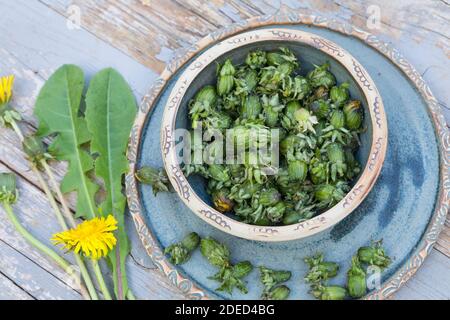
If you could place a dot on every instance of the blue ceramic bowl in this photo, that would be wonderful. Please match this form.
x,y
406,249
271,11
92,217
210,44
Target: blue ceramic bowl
x,y
311,50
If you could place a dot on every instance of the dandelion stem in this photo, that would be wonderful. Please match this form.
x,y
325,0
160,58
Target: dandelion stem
x,y
32,240
68,215
100,280
17,129
130,295
83,270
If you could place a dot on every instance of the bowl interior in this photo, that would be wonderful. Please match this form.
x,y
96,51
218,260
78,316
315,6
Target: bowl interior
x,y
308,57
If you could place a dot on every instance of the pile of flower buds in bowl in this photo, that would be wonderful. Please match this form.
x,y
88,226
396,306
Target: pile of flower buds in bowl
x,y
317,126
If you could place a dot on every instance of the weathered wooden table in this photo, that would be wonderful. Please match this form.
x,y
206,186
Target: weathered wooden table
x,y
138,38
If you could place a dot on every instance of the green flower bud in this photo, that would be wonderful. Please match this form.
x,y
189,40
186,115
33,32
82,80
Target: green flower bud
x,y
156,178
353,115
218,120
335,153
8,188
225,85
230,277
318,171
246,81
290,142
227,69
275,213
262,221
202,105
321,93
339,95
305,121
283,56
320,270
180,252
328,195
225,81
324,192
221,201
256,59
219,172
269,197
337,119
270,278
374,255
216,253
242,269
251,108
321,108
244,191
356,280
35,150
298,170
329,293
191,241
207,95
272,108
353,166
320,76
278,293
292,217
297,88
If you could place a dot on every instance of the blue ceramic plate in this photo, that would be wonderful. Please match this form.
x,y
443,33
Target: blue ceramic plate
x,y
406,207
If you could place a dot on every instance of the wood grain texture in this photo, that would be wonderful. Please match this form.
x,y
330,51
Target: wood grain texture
x,y
138,38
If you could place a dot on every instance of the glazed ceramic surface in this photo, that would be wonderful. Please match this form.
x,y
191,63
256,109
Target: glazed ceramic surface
x,y
311,49
406,208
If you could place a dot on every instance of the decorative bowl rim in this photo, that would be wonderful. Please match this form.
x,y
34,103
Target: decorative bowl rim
x,y
300,230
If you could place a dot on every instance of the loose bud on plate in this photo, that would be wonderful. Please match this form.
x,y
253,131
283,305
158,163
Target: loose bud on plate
x,y
278,293
374,255
216,253
181,252
329,293
8,188
156,178
242,269
356,279
270,278
319,269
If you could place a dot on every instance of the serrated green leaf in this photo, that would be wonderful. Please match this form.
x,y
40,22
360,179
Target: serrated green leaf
x,y
58,111
110,112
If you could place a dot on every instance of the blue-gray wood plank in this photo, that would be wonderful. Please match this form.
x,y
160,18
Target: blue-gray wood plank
x,y
137,39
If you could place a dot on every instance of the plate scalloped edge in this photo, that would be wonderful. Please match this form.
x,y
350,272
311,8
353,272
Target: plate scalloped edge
x,y
185,285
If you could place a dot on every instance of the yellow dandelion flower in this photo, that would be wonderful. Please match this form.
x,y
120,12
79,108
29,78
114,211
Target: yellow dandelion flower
x,y
94,238
6,88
